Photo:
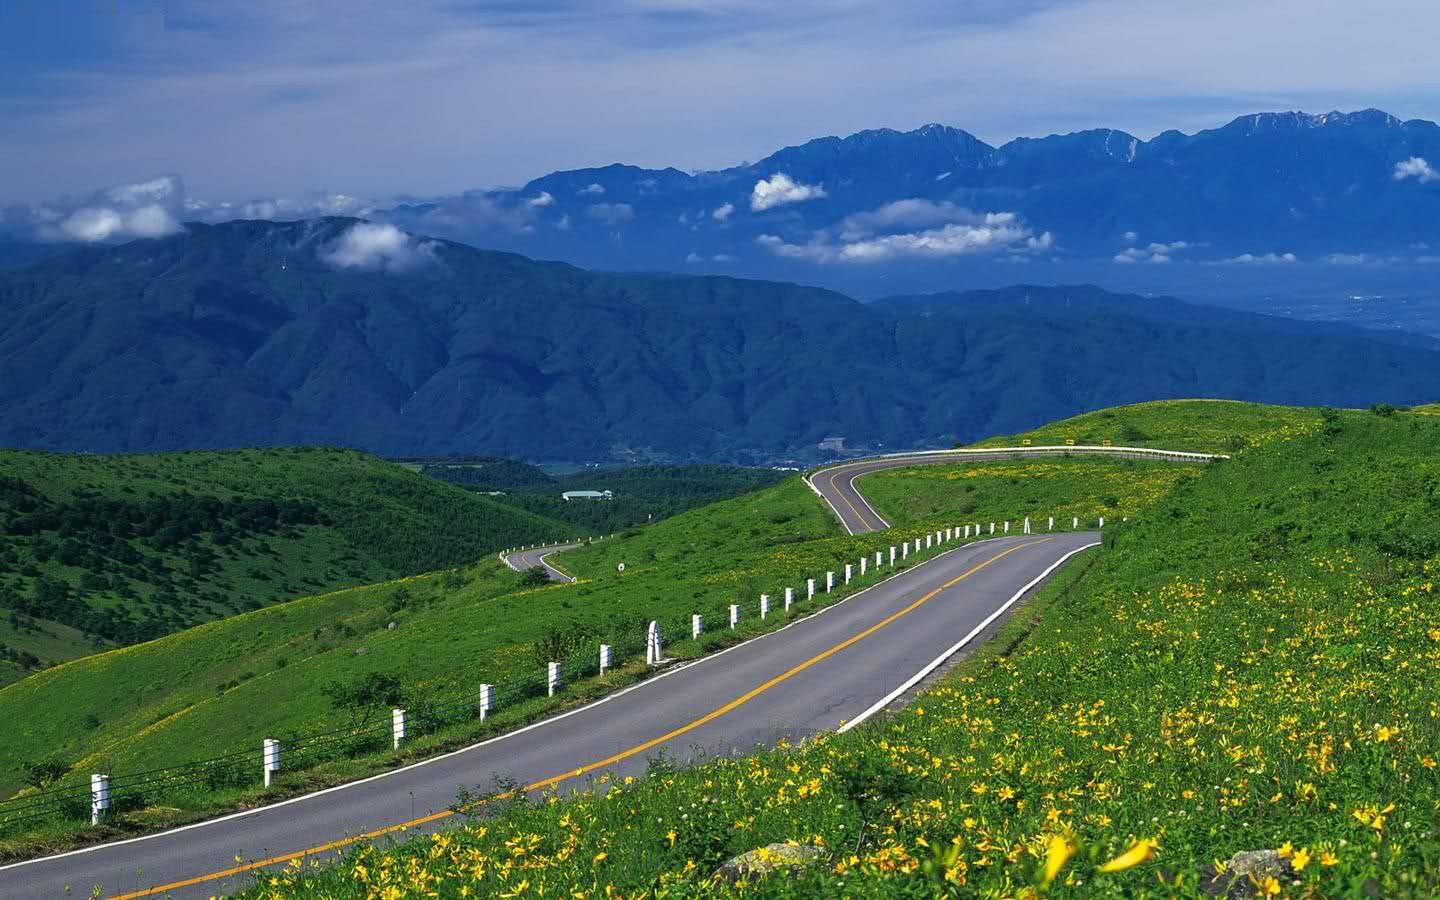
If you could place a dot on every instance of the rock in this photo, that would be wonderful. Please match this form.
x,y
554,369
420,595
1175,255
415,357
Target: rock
x,y
392,626
767,860
1242,872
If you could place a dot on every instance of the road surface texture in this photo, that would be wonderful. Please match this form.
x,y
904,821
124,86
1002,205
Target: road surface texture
x,y
521,560
836,484
812,676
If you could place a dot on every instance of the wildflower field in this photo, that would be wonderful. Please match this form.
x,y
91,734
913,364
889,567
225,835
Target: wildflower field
x,y
1250,664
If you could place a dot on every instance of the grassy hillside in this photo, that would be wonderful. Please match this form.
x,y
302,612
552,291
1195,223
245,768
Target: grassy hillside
x,y
1251,665
99,551
1083,487
1200,426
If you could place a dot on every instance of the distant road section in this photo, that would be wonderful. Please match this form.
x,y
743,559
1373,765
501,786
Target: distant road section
x,y
836,484
522,560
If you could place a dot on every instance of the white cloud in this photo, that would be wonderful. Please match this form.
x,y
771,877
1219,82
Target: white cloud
x,y
1129,237
1417,168
1348,259
693,258
145,209
780,189
1264,259
378,247
916,229
592,189
611,214
722,212
1155,253
545,199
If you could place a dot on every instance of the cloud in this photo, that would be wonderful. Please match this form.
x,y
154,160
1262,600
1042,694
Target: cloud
x,y
1129,237
611,214
1156,253
1417,168
1264,259
593,189
545,199
143,209
1349,259
722,212
466,214
382,248
693,258
780,189
915,229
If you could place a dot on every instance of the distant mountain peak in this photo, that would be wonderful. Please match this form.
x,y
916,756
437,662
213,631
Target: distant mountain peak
x,y
1296,119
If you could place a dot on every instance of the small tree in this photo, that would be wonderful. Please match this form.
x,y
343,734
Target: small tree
x,y
535,576
362,696
41,775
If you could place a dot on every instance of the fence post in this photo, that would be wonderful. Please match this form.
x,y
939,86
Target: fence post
x,y
99,797
809,589
992,527
863,561
1051,526
764,606
653,646
849,570
271,759
1007,526
905,550
397,727
892,554
927,541
1027,524
696,626
1102,521
487,700
552,678
605,658
734,615
967,532
1075,523
789,598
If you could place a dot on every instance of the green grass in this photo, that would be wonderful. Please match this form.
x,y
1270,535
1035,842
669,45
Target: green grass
x,y
1251,664
1066,488
1199,426
99,551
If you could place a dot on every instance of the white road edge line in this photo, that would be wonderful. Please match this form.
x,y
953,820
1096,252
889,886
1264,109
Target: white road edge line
x,y
955,648
509,734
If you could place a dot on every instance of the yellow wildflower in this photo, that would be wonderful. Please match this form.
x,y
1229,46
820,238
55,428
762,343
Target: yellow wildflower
x,y
1141,851
1057,854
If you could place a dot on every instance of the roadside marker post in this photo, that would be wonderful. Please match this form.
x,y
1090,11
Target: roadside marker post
x,y
1102,521
397,727
892,555
927,541
830,581
552,678
789,598
487,700
271,759
1007,526
764,605
734,616
992,527
863,561
1075,523
1027,525
848,569
809,589
653,647
967,532
605,658
905,550
1051,526
99,797
697,624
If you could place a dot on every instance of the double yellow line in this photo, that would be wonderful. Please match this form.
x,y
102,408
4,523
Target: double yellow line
x,y
598,764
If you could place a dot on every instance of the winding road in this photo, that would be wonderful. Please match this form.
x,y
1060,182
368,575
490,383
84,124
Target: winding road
x,y
520,560
824,672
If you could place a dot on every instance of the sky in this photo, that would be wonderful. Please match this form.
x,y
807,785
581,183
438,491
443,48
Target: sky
x,y
275,98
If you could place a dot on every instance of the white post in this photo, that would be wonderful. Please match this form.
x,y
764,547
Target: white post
x,y
879,558
652,644
606,658
764,605
487,700
696,626
830,581
99,797
905,550
397,727
967,532
863,561
1102,521
1075,523
1027,524
992,527
789,598
927,541
892,555
271,758
848,571
809,589
1007,526
552,678
1051,525
734,616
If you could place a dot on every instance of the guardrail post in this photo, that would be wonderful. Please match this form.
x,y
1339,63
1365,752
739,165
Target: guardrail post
x,y
905,550
864,560
397,727
1102,521
552,678
764,606
653,646
809,589
605,658
99,797
992,527
967,532
830,581
487,700
848,571
1027,524
789,598
892,554
1007,526
734,615
927,541
1051,526
270,759
697,625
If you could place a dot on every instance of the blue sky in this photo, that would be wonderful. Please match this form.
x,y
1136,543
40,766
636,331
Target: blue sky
x,y
272,98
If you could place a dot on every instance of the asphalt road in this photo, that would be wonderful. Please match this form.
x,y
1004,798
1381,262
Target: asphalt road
x,y
809,677
521,560
836,484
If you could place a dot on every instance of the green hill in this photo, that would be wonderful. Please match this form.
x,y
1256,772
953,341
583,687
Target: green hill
x,y
100,551
1252,664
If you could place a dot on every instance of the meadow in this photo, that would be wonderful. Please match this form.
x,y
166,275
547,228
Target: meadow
x,y
1252,664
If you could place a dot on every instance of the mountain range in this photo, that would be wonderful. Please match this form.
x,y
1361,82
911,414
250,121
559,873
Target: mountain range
x,y
336,331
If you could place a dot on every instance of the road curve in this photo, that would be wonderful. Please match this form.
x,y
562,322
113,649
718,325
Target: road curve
x,y
836,484
812,676
520,560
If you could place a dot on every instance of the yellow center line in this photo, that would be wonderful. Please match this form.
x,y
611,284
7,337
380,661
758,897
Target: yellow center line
x,y
598,764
